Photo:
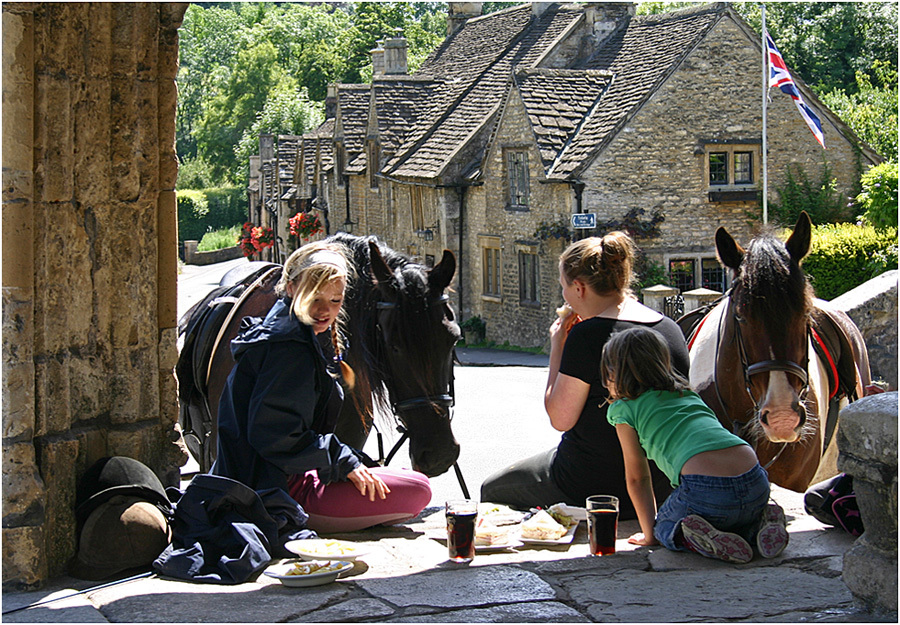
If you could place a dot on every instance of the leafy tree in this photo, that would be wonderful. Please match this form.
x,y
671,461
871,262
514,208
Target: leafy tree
x,y
872,111
234,109
878,198
287,111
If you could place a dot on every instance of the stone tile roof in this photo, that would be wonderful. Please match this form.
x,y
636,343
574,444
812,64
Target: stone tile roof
x,y
476,64
640,56
557,102
353,109
399,102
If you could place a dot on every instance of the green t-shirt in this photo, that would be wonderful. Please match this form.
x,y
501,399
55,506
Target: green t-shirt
x,y
672,427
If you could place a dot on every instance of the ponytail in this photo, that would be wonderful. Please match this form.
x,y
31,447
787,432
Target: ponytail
x,y
346,371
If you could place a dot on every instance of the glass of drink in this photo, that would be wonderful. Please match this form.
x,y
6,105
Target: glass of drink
x,y
461,516
602,522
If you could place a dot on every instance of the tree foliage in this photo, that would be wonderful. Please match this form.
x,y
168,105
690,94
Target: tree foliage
x,y
247,68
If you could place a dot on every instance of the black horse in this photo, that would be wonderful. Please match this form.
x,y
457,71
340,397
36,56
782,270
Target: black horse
x,y
400,338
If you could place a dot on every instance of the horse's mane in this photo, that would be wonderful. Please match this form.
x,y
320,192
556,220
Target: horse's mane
x,y
362,332
770,286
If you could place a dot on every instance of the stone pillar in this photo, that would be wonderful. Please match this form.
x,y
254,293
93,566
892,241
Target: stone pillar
x,y
655,296
89,271
698,298
867,444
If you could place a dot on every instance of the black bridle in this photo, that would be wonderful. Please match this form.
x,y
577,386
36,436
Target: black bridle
x,y
749,369
446,400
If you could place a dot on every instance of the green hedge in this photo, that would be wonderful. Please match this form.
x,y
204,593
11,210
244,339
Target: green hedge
x,y
843,256
205,210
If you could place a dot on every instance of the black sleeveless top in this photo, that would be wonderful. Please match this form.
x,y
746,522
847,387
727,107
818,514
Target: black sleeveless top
x,y
589,458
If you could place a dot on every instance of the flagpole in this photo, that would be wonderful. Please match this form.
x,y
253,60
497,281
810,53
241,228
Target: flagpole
x,y
765,154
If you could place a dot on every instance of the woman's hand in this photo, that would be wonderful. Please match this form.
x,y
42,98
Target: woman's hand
x,y
559,330
368,484
642,540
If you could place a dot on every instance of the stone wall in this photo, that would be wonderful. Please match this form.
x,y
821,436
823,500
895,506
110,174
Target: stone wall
x,y
873,308
89,260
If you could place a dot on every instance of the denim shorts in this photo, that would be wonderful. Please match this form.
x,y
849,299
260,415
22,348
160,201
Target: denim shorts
x,y
732,504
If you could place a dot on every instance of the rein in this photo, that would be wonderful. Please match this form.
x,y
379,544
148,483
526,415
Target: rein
x,y
447,400
763,366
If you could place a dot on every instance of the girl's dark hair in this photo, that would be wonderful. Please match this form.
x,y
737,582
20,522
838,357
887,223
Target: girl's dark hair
x,y
638,360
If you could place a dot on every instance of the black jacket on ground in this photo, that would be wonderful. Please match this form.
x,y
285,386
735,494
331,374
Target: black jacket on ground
x,y
279,406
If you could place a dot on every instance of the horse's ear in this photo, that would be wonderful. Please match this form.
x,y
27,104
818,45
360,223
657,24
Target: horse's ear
x,y
798,243
727,249
380,270
440,275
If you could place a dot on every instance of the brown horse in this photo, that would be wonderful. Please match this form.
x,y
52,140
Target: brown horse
x,y
774,363
400,332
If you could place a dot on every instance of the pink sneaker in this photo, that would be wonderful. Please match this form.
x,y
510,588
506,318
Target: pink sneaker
x,y
700,536
772,537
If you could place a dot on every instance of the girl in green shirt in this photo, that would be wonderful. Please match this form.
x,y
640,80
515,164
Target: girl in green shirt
x,y
720,506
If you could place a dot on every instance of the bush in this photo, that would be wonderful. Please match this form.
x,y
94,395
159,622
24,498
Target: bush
x,y
219,239
843,256
205,210
878,198
474,328
819,198
193,209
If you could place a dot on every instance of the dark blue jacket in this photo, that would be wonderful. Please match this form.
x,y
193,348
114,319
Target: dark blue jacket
x,y
279,406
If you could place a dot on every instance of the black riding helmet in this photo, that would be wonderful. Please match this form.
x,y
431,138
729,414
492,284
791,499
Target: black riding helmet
x,y
118,475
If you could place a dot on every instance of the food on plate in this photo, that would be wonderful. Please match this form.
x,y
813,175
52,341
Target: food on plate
x,y
542,526
330,548
308,568
499,515
558,512
488,535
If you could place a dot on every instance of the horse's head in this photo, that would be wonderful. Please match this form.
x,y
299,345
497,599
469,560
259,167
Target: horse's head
x,y
417,333
770,306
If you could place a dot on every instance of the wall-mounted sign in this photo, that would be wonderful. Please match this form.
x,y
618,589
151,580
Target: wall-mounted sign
x,y
584,221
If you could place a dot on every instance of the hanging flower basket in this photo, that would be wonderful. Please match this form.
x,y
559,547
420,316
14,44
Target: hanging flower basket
x,y
305,225
254,239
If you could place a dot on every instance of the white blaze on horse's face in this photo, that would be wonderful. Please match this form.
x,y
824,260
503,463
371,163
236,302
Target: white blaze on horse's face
x,y
781,410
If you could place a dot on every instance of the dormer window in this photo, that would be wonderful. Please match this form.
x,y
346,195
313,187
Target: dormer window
x,y
339,163
517,177
374,158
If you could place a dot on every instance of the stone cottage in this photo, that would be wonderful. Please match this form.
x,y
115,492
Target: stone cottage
x,y
528,115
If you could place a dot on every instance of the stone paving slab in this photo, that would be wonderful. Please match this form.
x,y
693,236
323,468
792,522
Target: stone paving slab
x,y
406,577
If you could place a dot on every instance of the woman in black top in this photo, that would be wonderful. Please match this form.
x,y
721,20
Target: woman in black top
x,y
595,275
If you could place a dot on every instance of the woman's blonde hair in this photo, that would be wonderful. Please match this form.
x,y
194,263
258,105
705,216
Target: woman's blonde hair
x,y
603,263
310,269
637,360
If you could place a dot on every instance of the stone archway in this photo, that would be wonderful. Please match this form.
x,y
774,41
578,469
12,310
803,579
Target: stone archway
x,y
89,260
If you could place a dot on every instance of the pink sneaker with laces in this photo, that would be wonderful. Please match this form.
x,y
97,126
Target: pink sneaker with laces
x,y
700,536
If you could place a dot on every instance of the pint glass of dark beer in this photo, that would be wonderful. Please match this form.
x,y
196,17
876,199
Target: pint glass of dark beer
x,y
461,517
602,522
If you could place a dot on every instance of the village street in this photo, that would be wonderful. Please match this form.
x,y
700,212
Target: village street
x,y
405,575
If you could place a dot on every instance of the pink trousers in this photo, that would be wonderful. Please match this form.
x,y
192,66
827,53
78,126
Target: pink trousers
x,y
338,507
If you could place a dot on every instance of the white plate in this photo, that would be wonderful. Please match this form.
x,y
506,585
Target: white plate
x,y
565,539
579,514
325,549
279,572
489,548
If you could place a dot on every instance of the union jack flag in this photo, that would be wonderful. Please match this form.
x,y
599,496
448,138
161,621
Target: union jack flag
x,y
780,77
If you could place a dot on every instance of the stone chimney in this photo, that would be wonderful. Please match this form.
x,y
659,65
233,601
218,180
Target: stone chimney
x,y
604,17
331,101
395,55
458,13
254,167
538,8
378,58
266,147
